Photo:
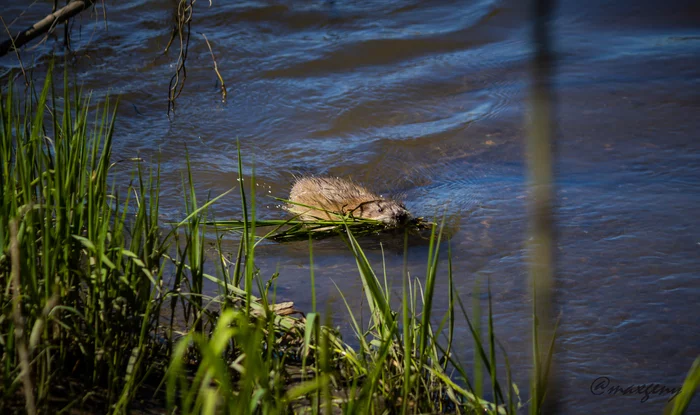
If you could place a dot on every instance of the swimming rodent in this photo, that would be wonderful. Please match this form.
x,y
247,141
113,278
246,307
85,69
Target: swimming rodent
x,y
343,196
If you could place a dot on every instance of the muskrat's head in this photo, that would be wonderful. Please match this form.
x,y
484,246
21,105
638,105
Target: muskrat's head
x,y
391,212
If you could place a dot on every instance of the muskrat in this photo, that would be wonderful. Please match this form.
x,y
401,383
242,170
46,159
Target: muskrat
x,y
340,196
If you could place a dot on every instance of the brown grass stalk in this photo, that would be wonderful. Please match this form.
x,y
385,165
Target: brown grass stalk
x,y
18,319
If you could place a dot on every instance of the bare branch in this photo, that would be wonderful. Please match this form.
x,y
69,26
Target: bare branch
x,y
46,24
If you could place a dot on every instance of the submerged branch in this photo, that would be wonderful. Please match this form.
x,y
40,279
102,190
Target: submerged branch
x,y
181,31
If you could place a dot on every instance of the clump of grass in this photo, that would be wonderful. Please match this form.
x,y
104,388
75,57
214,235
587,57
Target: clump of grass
x,y
411,366
87,293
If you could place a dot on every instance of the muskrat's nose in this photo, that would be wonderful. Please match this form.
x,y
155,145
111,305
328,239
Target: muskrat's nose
x,y
402,216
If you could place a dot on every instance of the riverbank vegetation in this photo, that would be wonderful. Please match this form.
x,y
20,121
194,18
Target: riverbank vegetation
x,y
100,294
104,308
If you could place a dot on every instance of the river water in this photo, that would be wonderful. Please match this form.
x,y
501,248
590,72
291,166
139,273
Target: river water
x,y
427,99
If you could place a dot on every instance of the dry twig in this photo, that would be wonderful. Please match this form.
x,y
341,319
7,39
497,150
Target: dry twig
x,y
216,69
19,59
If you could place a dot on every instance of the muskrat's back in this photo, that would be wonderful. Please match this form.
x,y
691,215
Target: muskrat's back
x,y
341,196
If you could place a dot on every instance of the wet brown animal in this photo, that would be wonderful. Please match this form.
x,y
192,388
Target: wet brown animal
x,y
331,194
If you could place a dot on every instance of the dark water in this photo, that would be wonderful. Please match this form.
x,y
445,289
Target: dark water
x,y
428,99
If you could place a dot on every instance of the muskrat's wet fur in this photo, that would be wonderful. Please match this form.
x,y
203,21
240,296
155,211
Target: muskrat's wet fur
x,y
341,196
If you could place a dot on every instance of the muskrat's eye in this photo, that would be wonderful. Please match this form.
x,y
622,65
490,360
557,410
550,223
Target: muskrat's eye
x,y
380,209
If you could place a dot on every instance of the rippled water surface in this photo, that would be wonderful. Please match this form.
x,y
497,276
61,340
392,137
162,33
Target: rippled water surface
x,y
428,99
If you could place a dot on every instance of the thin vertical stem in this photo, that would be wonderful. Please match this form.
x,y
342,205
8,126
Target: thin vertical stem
x,y
540,150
